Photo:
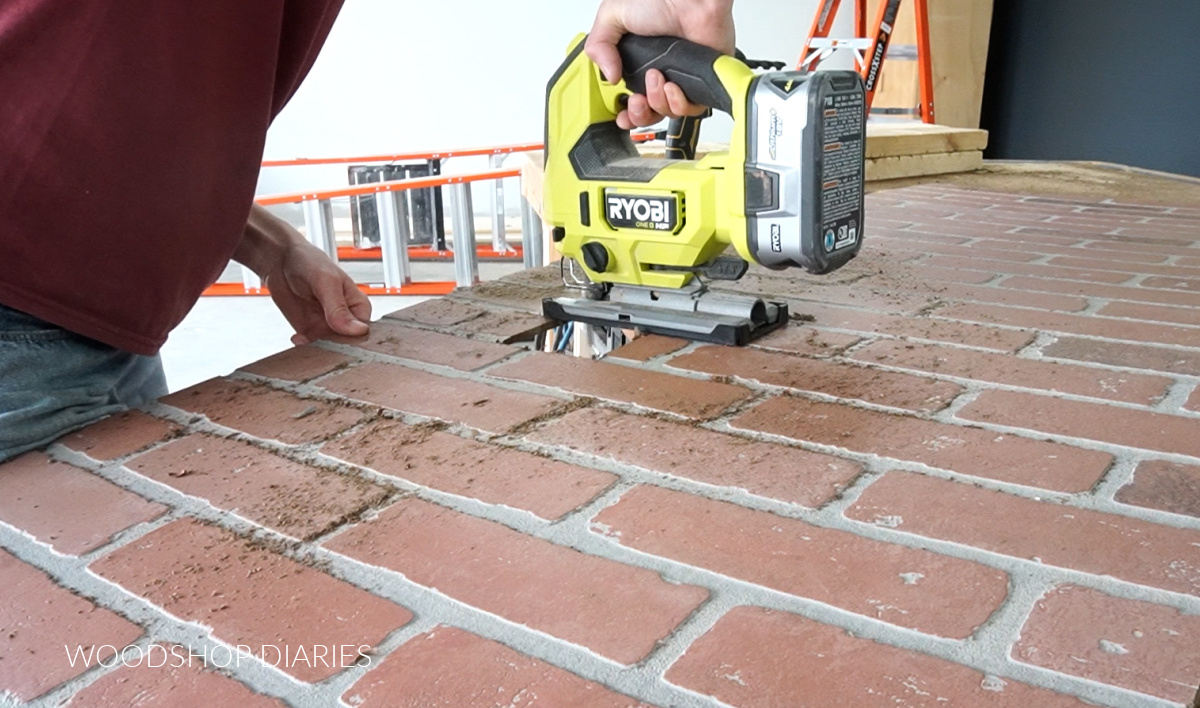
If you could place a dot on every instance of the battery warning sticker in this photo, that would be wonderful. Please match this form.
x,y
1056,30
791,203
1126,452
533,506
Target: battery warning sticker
x,y
842,143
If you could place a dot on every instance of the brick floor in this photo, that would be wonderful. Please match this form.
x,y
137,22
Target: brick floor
x,y
967,475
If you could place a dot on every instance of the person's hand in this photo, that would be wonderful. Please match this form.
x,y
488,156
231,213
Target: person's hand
x,y
707,22
315,296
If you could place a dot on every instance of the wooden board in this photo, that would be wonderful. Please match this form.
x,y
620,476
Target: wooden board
x,y
938,163
888,139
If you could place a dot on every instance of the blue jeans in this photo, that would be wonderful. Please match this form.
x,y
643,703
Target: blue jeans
x,y
53,381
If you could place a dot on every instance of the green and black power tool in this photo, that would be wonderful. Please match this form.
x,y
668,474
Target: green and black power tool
x,y
648,232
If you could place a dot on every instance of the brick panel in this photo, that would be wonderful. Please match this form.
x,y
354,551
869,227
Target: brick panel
x,y
1175,283
1114,292
40,619
250,596
1117,265
903,586
835,379
1135,645
1167,486
807,341
43,498
394,339
120,435
649,346
1073,324
167,676
450,667
301,501
777,471
616,610
491,474
1028,373
1090,541
1155,313
976,335
266,412
960,449
478,405
650,389
1094,421
298,364
1031,269
1134,356
760,658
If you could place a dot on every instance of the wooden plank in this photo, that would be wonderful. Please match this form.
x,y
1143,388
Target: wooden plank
x,y
959,31
899,166
886,139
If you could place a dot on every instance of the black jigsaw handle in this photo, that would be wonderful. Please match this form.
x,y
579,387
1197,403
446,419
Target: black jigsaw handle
x,y
687,64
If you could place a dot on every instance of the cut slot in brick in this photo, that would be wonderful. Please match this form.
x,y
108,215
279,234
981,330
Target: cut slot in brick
x,y
453,464
450,667
1012,371
911,588
777,471
300,501
72,510
489,408
1093,542
916,393
616,610
1136,645
651,389
253,598
971,451
1093,421
266,412
760,658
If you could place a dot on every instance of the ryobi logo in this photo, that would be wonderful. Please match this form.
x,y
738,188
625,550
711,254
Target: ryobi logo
x,y
632,211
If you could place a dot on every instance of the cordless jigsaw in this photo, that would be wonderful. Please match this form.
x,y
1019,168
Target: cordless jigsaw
x,y
649,234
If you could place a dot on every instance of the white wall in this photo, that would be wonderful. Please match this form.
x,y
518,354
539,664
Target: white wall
x,y
409,76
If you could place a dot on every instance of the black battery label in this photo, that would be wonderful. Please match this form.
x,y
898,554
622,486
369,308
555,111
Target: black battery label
x,y
843,140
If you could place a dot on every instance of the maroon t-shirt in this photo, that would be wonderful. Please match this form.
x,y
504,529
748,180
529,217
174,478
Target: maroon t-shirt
x,y
131,133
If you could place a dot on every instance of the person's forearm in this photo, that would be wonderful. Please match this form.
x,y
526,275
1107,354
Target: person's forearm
x,y
265,241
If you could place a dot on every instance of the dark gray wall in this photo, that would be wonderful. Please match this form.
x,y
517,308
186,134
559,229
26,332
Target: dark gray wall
x,y
1110,80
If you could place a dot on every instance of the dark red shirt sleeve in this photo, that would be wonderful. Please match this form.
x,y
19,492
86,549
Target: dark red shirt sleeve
x,y
131,134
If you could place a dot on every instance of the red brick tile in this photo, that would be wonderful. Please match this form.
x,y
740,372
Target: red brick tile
x,y
650,389
965,450
648,347
1117,265
950,275
438,312
615,610
1002,296
756,657
772,286
1009,255
1154,313
453,400
1030,373
887,388
120,435
1158,484
1189,262
912,588
807,341
250,596
40,619
777,471
1135,645
1135,356
1139,248
298,364
72,510
1113,292
450,667
166,677
1193,403
394,339
266,412
1125,252
1175,283
492,474
920,328
1089,541
1094,421
1073,324
508,326
301,501
1036,270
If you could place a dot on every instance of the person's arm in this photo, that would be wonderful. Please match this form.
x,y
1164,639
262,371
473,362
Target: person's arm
x,y
313,293
707,22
